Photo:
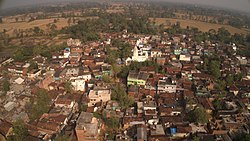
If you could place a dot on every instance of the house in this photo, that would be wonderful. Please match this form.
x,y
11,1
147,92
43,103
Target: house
x,y
157,130
169,111
96,96
155,53
64,101
71,72
149,107
78,84
53,86
66,53
233,89
86,60
106,69
123,137
140,52
141,133
177,51
113,109
52,123
73,42
129,121
185,57
180,131
208,106
53,94
133,91
166,85
9,106
87,127
34,73
135,78
99,61
161,60
48,78
19,71
171,120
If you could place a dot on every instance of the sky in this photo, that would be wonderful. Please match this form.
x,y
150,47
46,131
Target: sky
x,y
242,5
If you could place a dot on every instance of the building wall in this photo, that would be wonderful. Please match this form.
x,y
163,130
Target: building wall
x,y
102,95
167,88
80,135
136,82
79,85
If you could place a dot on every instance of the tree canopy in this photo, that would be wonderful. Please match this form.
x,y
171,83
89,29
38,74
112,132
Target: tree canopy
x,y
119,94
198,115
40,105
19,130
6,85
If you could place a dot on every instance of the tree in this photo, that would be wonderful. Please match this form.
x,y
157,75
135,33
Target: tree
x,y
205,64
195,138
112,123
69,21
63,138
221,85
116,69
106,79
68,87
97,115
119,94
84,107
53,27
37,30
33,65
223,35
229,80
214,67
248,38
217,104
19,130
198,115
40,105
6,85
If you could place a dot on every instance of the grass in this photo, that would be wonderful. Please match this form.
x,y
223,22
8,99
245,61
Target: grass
x,y
202,26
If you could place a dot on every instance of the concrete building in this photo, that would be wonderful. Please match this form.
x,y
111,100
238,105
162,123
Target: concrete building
x,y
78,84
96,96
135,78
87,127
166,85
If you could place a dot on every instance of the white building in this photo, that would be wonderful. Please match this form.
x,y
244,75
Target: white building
x,y
66,53
140,51
185,58
166,85
9,106
34,73
78,84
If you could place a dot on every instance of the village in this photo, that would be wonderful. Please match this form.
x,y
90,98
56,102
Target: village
x,y
172,88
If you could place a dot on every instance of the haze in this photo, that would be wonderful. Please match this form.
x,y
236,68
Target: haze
x,y
241,5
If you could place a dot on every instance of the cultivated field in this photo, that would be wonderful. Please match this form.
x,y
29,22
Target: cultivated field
x,y
10,26
202,26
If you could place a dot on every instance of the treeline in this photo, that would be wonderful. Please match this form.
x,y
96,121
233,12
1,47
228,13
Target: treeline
x,y
51,9
88,30
200,13
25,53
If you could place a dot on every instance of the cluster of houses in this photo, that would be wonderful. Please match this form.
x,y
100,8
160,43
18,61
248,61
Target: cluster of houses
x,y
163,100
